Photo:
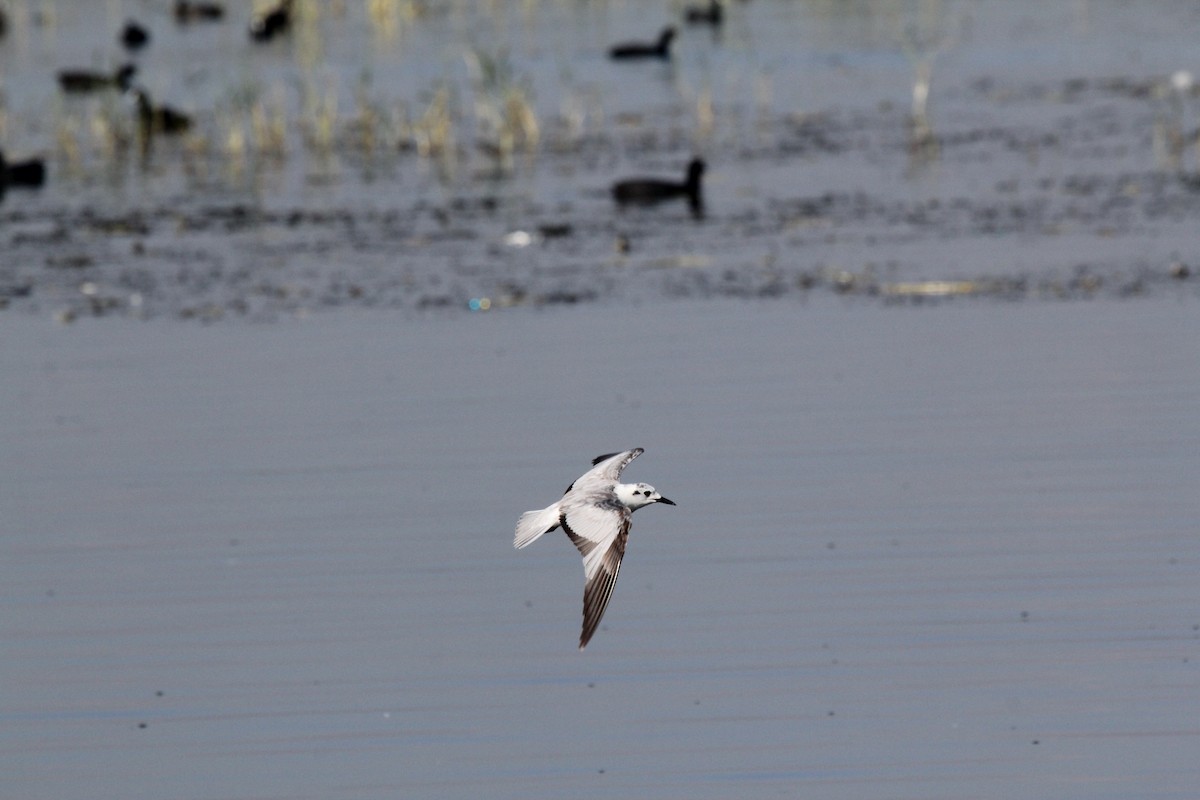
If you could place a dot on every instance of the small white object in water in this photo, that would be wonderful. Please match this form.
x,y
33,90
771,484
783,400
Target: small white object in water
x,y
595,512
1181,81
519,239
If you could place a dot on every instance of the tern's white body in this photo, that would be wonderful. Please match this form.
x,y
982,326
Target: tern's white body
x,y
595,512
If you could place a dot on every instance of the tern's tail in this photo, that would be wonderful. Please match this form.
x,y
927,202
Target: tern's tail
x,y
533,524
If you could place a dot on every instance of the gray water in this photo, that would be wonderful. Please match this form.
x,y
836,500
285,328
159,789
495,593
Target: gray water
x,y
928,409
940,553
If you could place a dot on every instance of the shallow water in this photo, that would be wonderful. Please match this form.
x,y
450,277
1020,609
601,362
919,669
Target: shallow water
x,y
938,553
927,408
1053,159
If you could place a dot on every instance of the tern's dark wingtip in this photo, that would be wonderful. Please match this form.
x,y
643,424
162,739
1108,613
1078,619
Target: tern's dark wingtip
x,y
637,451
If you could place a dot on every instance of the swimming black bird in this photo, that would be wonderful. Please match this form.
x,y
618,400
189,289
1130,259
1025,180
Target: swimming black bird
x,y
648,191
186,11
275,21
82,80
159,119
31,173
699,15
134,36
630,50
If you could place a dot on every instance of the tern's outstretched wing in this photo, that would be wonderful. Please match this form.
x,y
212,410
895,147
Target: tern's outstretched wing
x,y
606,471
599,532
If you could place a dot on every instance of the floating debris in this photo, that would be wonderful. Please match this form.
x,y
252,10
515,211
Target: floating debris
x,y
519,239
931,288
187,12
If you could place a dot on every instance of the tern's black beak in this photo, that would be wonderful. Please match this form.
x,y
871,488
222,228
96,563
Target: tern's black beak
x,y
665,500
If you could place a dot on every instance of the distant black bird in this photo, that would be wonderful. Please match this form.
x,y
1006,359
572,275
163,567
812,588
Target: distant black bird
x,y
134,36
186,11
82,80
3,23
31,173
159,119
629,50
275,21
699,15
648,191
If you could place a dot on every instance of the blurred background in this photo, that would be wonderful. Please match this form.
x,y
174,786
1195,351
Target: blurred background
x,y
460,154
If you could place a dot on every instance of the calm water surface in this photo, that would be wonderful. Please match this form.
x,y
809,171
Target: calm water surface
x,y
937,553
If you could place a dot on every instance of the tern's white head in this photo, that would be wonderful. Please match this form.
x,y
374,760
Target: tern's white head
x,y
635,495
